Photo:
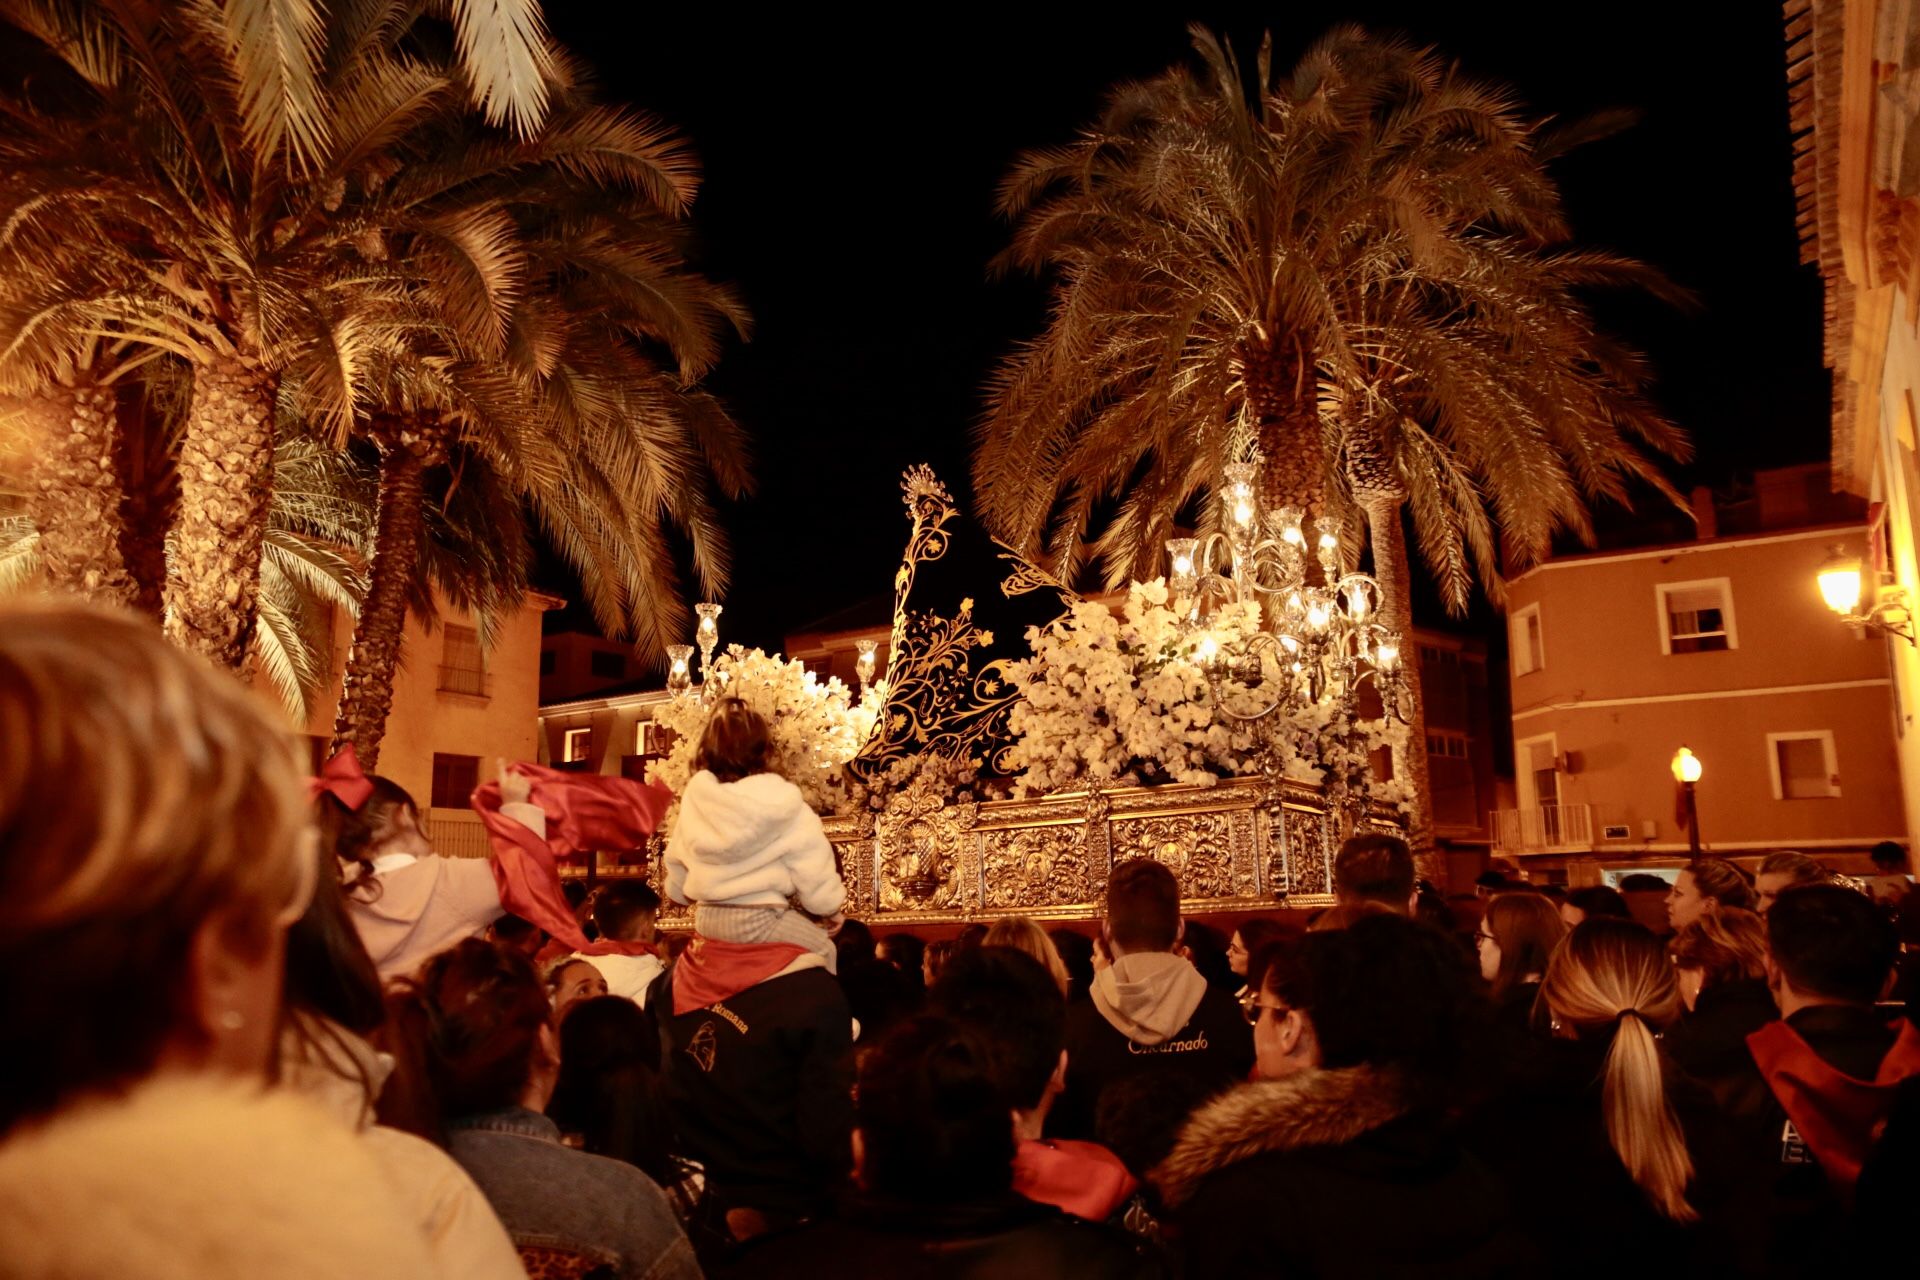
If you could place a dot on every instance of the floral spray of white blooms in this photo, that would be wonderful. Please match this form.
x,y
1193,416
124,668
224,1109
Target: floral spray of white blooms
x,y
1120,700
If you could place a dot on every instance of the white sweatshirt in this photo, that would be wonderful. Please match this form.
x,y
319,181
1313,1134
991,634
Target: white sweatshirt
x,y
751,843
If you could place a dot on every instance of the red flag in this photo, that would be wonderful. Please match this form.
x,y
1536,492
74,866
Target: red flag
x,y
585,813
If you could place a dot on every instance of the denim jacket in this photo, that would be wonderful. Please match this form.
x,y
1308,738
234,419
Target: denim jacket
x,y
548,1195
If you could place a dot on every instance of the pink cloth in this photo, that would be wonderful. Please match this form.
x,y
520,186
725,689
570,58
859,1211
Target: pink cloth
x,y
1082,1178
583,812
423,908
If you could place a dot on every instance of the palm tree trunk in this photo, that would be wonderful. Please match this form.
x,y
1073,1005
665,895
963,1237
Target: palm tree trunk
x,y
1391,567
367,693
226,467
74,496
1283,395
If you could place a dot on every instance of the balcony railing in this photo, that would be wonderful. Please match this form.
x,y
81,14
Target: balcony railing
x,y
1551,828
466,680
456,834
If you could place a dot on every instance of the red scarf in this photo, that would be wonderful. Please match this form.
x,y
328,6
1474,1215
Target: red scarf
x,y
1080,1178
1837,1116
709,972
585,812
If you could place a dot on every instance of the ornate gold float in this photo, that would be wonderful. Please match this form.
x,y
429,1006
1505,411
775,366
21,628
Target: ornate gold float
x,y
1246,844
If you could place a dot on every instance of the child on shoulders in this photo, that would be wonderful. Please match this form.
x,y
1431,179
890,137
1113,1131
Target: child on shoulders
x,y
747,850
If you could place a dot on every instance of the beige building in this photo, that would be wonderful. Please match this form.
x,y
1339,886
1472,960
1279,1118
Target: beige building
x,y
1722,645
1853,70
457,709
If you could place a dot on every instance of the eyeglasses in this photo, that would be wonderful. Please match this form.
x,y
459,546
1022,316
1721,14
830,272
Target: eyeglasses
x,y
1277,1010
1481,939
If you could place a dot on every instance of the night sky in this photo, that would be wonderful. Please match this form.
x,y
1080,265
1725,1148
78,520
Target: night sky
x,y
851,164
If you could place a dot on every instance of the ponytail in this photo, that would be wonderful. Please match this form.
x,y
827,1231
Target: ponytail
x,y
1641,1125
1612,978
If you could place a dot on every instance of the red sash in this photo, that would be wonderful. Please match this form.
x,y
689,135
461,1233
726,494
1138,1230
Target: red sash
x,y
709,972
1837,1116
584,812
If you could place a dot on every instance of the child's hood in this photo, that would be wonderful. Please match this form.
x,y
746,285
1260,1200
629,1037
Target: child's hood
x,y
734,821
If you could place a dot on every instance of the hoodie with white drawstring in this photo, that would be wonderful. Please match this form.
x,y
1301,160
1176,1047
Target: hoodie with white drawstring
x,y
1150,1013
745,854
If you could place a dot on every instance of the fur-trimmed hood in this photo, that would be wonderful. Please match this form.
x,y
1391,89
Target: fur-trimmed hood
x,y
1311,1109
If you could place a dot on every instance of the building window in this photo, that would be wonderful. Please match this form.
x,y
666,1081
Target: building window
x,y
821,666
1696,617
461,668
576,745
1529,647
547,658
454,778
1803,765
650,739
608,664
1448,746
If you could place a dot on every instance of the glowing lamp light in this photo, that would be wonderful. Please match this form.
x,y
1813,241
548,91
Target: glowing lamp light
x,y
679,668
1239,494
1839,577
1386,656
708,632
1686,766
1181,553
1206,651
864,666
1289,521
1318,616
1358,603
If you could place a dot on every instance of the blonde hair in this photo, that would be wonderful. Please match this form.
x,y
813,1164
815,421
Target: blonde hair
x,y
1024,935
1613,977
142,795
1726,945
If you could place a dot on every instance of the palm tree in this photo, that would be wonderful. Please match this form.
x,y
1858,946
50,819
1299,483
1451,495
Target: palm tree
x,y
1359,272
544,373
176,191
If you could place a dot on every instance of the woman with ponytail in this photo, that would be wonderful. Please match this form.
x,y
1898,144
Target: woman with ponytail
x,y
1603,1143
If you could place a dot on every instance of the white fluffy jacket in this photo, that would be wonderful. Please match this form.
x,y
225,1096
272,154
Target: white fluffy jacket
x,y
751,843
187,1179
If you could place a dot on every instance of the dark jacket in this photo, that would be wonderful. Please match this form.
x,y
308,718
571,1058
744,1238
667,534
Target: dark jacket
x,y
1710,1044
1212,1052
1544,1133
1006,1238
760,1086
547,1195
1806,1219
1334,1174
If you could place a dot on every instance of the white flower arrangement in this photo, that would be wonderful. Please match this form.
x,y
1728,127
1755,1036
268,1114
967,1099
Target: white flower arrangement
x,y
815,725
1119,700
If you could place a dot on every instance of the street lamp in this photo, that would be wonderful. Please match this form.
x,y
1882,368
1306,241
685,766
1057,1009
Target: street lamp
x,y
1686,772
1842,586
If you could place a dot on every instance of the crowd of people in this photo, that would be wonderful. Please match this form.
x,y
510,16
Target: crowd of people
x,y
259,1028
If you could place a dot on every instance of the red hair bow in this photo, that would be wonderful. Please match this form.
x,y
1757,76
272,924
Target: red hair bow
x,y
343,779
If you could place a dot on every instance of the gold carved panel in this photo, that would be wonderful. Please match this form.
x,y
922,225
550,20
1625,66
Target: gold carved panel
x,y
1238,846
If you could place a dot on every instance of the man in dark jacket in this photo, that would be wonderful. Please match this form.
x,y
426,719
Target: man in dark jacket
x,y
757,1072
1831,1065
934,1166
1151,1012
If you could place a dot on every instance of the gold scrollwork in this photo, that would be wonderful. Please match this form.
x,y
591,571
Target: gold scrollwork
x,y
1196,847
